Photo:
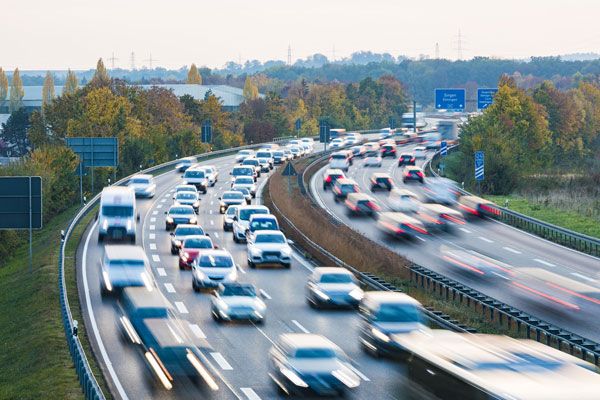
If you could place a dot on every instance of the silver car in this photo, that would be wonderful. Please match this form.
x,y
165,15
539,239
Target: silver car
x,y
334,287
269,248
188,199
237,301
247,182
211,268
228,217
143,185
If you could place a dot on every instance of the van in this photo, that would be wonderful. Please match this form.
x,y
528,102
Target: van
x,y
123,266
117,215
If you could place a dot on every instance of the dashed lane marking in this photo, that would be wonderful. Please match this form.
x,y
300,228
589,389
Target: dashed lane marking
x,y
181,307
161,272
546,263
486,239
155,258
170,288
303,329
218,357
197,331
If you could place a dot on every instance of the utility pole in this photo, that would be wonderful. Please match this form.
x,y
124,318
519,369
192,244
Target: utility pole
x,y
132,60
459,46
289,55
112,60
150,60
414,115
437,51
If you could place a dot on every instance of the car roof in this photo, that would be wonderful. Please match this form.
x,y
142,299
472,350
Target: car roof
x,y
400,217
199,237
127,252
188,226
269,232
231,192
389,297
142,176
360,196
140,296
406,154
404,192
413,168
181,206
381,175
345,181
118,194
254,207
333,171
331,270
439,208
420,148
185,187
303,340
216,252
263,216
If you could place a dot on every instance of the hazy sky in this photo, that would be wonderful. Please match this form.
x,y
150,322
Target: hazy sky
x,y
56,34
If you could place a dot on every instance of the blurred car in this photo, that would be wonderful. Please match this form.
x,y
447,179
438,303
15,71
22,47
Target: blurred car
x,y
371,146
296,152
261,222
196,177
306,147
191,247
386,133
212,174
381,181
288,154
237,302
333,287
269,248
243,154
309,141
254,163
188,199
228,218
185,163
330,176
386,314
182,232
441,190
244,191
339,160
358,151
245,182
372,159
180,214
247,171
478,207
420,152
213,267
305,363
361,204
337,143
265,164
279,157
413,173
241,221
143,185
268,154
400,225
439,217
343,187
407,159
403,200
388,150
230,197
476,264
122,266
184,188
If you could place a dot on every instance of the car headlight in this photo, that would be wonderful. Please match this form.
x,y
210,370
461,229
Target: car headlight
x,y
199,275
128,224
293,377
105,225
196,204
380,335
286,251
185,256
232,276
193,220
222,305
148,189
260,304
320,294
177,242
255,251
169,219
356,294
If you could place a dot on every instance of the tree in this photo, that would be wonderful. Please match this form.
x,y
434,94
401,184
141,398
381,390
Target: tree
x,y
250,91
16,92
193,76
48,90
14,131
71,84
101,77
38,134
3,85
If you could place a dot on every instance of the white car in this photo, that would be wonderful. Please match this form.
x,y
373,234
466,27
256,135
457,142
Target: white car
x,y
241,220
212,174
188,199
184,188
372,146
339,160
268,248
245,182
268,154
237,301
265,165
243,154
296,151
197,177
333,286
337,143
143,185
403,201
309,141
372,159
420,152
306,147
124,265
254,163
213,267
185,163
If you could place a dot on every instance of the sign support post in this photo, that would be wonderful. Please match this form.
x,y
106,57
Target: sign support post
x,y
30,229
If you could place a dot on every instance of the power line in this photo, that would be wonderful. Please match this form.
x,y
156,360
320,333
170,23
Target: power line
x,y
437,51
289,55
112,60
132,61
150,60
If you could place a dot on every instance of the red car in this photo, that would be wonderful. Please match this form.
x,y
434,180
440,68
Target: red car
x,y
191,247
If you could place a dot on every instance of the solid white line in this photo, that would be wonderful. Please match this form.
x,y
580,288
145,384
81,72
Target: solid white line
x,y
512,250
465,230
218,357
210,211
153,219
577,274
155,258
265,294
181,307
152,236
152,227
212,202
302,261
161,272
486,239
421,239
239,267
154,212
250,394
197,331
357,372
303,329
544,262
169,287
152,246
90,310
167,194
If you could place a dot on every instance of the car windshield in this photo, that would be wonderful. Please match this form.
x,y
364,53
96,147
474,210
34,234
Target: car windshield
x,y
215,261
339,156
265,224
397,313
265,154
263,160
117,211
140,180
194,174
233,196
372,154
244,191
250,162
239,291
336,278
242,171
245,214
348,188
186,196
181,210
294,150
278,154
270,238
315,353
185,231
197,243
127,263
231,211
244,181
186,189
383,179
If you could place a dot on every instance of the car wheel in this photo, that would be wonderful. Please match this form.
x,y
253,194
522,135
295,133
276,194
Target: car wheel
x,y
324,188
100,238
251,264
195,286
204,191
173,250
403,180
287,265
235,238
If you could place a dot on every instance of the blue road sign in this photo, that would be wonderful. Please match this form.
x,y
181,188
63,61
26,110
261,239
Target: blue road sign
x,y
21,202
206,131
324,132
289,170
298,124
479,165
450,99
444,148
392,122
95,151
485,97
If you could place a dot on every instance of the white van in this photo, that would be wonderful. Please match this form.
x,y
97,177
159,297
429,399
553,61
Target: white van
x,y
117,215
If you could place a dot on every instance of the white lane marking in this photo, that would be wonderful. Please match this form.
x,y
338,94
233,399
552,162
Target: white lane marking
x,y
152,236
239,267
181,307
172,191
421,239
170,288
152,246
153,219
357,372
250,394
155,258
212,222
159,206
465,230
90,310
210,211
486,239
544,262
218,357
168,194
217,235
587,278
265,294
302,261
161,272
303,329
154,212
152,227
197,331
512,250
212,202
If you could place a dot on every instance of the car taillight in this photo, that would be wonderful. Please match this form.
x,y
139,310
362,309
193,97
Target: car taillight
x,y
469,209
419,174
355,188
373,206
453,219
417,228
393,228
489,209
412,159
328,179
351,206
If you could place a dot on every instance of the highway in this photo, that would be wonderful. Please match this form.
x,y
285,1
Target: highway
x,y
237,353
557,305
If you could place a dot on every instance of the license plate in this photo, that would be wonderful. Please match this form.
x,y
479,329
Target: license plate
x,y
272,258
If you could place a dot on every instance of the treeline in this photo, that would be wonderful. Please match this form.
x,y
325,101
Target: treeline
x,y
540,131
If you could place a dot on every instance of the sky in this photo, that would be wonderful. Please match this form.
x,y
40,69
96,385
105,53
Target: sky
x,y
60,34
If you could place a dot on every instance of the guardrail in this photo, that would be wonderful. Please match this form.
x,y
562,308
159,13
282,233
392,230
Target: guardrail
x,y
495,310
565,237
87,380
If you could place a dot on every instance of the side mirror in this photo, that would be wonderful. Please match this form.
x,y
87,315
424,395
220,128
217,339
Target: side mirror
x,y
207,234
165,213
219,198
261,293
215,246
172,233
138,217
235,217
290,242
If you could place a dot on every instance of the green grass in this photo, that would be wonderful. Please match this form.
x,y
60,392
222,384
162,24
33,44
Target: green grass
x,y
566,219
34,359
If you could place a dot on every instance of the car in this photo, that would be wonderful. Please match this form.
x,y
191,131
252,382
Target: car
x,y
412,173
441,190
245,182
358,151
339,160
439,217
371,146
307,148
420,152
247,171
288,153
268,154
243,190
400,225
143,185
181,232
241,221
350,141
212,268
122,266
361,204
185,163
254,163
271,146
474,206
117,215
197,177
388,150
296,152
265,164
342,187
403,200
337,143
333,287
330,176
407,159
180,214
243,154
237,302
309,141
307,363
230,197
372,159
381,181
279,157
212,174
188,199
191,247
385,314
269,248
261,222
228,218
478,266
184,188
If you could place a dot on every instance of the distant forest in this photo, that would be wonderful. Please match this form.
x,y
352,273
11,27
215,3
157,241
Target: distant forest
x,y
420,77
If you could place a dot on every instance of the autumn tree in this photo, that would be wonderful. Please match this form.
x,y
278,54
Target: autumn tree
x,y
250,91
101,77
38,133
193,76
71,83
3,86
48,90
16,92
